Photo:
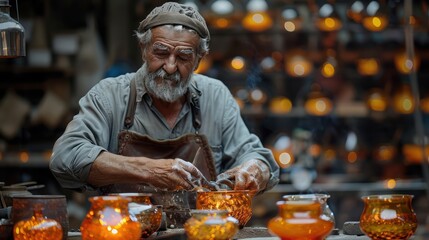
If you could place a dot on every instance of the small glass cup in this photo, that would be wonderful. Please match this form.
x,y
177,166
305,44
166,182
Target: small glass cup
x,y
388,217
210,224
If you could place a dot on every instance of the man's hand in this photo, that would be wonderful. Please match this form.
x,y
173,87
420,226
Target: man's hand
x,y
251,175
173,174
165,174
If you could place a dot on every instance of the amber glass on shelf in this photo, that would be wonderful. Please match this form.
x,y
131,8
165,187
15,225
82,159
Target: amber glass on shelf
x,y
109,218
300,220
149,216
38,227
237,202
388,217
210,224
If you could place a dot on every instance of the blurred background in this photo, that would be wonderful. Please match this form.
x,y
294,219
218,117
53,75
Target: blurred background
x,y
338,90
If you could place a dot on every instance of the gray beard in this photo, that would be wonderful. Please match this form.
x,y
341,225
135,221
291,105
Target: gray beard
x,y
168,88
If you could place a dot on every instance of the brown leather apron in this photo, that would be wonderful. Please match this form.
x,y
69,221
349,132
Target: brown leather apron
x,y
185,147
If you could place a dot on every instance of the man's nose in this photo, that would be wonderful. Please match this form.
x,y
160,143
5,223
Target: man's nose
x,y
170,65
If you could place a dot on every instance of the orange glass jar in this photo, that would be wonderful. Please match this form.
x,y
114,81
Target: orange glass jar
x,y
210,225
300,220
38,227
238,203
388,217
149,216
109,218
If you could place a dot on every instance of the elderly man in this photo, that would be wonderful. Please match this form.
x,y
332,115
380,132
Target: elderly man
x,y
162,126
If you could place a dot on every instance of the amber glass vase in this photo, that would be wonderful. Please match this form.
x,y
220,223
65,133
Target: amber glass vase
x,y
149,216
300,220
109,218
38,227
210,225
327,213
388,217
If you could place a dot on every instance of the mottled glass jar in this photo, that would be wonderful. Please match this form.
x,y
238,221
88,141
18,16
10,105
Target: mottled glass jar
x,y
109,218
388,217
238,203
210,225
38,227
300,220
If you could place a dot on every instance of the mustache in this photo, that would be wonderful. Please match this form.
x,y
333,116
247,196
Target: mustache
x,y
175,77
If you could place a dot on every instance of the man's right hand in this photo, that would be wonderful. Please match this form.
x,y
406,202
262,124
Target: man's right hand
x,y
166,174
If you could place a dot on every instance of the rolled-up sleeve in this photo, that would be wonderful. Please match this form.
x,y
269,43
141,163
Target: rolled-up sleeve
x,y
86,136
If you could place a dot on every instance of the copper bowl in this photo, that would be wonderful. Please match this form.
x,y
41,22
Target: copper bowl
x,y
237,202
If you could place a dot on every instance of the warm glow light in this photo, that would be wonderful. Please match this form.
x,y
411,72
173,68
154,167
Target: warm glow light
x,y
318,106
292,21
237,63
375,23
285,159
385,153
257,21
289,26
298,66
328,70
280,105
328,19
413,153
391,183
352,157
222,23
329,24
405,65
329,154
403,100
376,17
367,66
377,100
24,157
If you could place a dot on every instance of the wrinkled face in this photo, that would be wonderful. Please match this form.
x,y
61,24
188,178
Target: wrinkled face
x,y
170,60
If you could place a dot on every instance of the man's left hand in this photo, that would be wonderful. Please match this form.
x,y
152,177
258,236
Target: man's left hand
x,y
252,175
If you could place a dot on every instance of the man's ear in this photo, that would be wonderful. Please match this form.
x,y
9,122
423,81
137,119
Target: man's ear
x,y
142,51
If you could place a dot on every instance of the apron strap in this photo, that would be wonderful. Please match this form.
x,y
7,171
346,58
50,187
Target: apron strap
x,y
131,109
195,107
196,111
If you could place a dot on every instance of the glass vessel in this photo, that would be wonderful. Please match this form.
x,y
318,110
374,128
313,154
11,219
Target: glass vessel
x,y
109,218
210,224
237,202
327,213
388,217
38,227
300,220
148,215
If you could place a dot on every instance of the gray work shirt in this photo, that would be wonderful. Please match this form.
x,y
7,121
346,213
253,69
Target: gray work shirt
x,y
101,117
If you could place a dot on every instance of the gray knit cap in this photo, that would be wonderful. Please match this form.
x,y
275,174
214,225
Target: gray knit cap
x,y
175,14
